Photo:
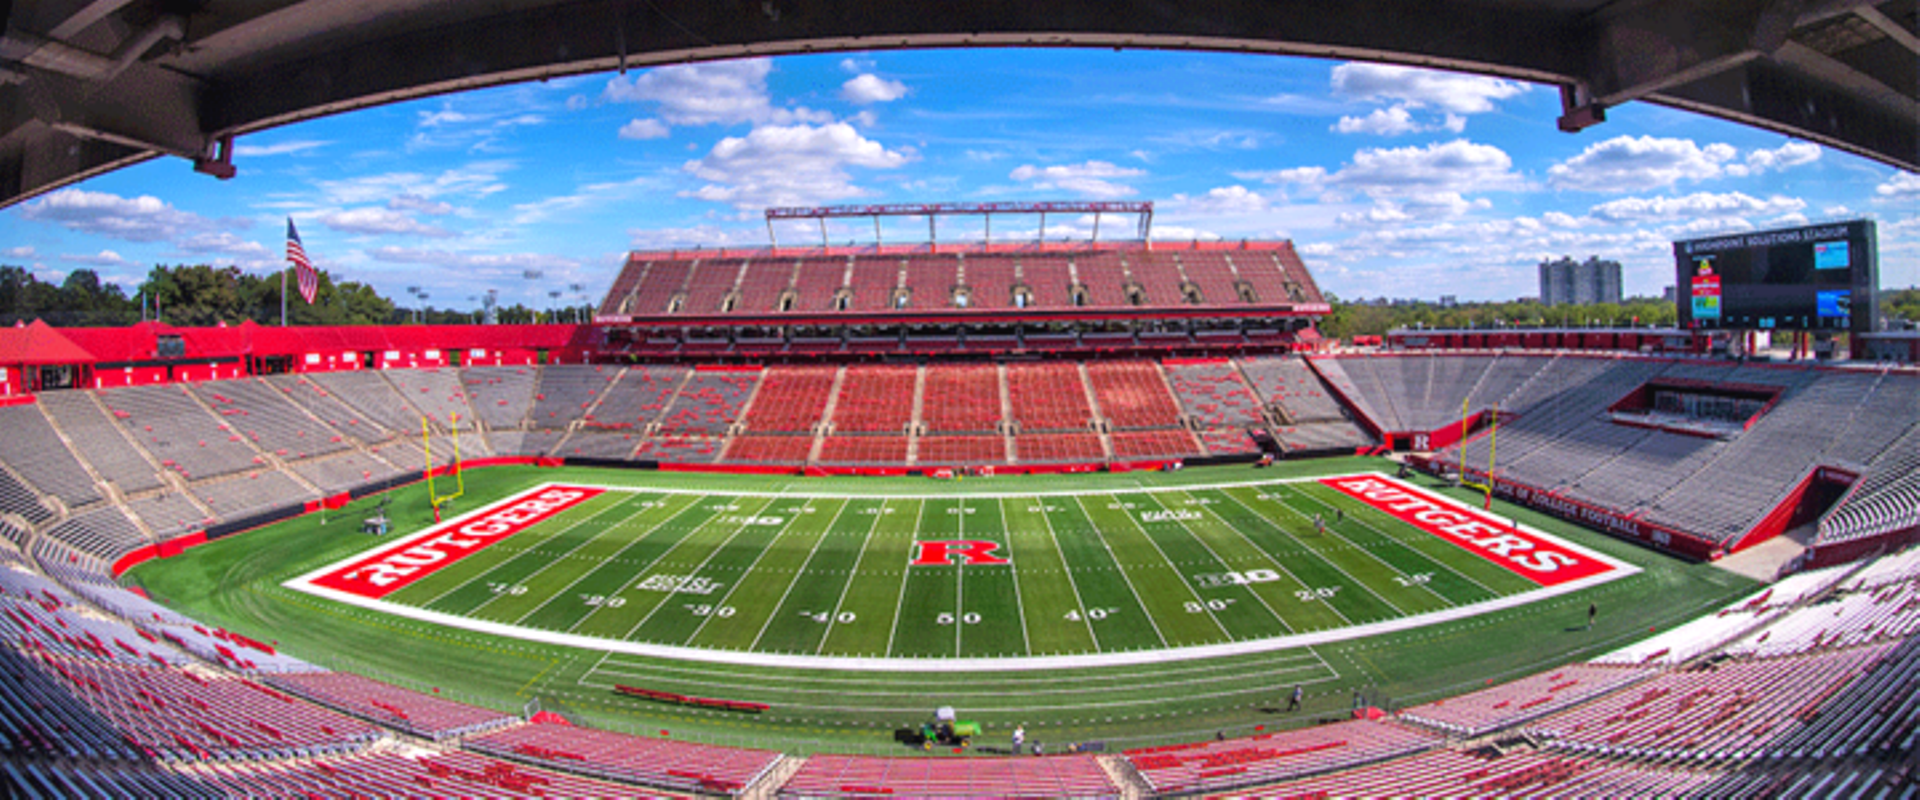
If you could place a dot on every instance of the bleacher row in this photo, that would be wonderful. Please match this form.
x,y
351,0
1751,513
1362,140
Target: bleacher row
x,y
111,470
1816,686
709,284
1557,436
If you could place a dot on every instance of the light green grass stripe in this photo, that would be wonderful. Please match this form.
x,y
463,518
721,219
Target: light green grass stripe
x,y
615,620
873,594
1047,597
800,623
1159,584
758,592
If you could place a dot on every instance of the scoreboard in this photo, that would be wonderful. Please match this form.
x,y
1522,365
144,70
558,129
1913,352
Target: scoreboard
x,y
1812,278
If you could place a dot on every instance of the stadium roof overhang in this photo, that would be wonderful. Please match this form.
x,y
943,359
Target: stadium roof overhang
x,y
951,317
88,86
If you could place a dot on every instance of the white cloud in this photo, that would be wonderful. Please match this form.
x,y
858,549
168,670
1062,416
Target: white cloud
x,y
1626,164
277,149
1416,87
721,92
414,202
135,219
1183,233
491,264
222,243
1901,185
1382,122
1457,166
1696,205
17,252
1090,179
868,88
1422,206
648,128
856,65
1397,120
588,196
694,236
1220,201
476,179
380,221
104,258
781,165
1791,154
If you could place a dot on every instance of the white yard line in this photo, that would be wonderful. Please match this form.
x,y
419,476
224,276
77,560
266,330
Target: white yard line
x,y
517,556
832,619
746,521
959,578
1068,570
1013,570
1223,565
305,583
1121,568
1271,558
791,582
564,591
1443,565
902,664
1310,551
1327,526
906,573
1184,584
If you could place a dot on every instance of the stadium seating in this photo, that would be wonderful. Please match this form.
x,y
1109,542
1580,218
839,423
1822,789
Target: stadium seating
x,y
1048,396
709,402
269,420
182,435
566,392
1154,444
1049,279
878,450
34,450
415,713
713,279
1212,393
679,449
662,763
961,398
1132,394
371,396
636,397
436,393
989,281
875,400
500,396
791,399
1265,758
769,449
1054,448
827,775
962,450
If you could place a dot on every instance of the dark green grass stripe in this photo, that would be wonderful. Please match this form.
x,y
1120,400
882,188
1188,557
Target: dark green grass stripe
x,y
1099,580
1163,590
606,580
757,595
872,597
1055,621
625,609
800,622
1243,613
932,593
1237,545
990,591
727,565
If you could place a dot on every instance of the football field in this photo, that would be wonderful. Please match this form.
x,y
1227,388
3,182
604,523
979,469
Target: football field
x,y
816,578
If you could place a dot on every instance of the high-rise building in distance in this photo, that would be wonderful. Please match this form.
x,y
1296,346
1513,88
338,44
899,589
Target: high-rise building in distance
x,y
1579,282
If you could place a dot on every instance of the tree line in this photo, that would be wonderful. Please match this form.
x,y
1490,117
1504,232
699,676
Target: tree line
x,y
202,295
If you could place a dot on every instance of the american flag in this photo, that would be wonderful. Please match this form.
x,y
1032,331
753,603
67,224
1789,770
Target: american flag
x,y
302,268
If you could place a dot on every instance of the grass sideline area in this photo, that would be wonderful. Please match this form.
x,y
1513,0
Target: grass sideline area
x,y
235,582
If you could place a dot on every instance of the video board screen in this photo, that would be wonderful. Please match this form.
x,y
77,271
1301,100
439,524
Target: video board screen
x,y
1812,278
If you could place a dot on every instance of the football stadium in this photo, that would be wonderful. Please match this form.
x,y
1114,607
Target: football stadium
x,y
1084,517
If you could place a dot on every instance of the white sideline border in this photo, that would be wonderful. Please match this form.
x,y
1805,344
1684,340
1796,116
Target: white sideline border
x,y
304,583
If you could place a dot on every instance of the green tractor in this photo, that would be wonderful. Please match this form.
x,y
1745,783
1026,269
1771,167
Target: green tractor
x,y
947,731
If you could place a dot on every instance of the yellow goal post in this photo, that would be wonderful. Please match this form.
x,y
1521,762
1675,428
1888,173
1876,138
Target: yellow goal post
x,y
453,466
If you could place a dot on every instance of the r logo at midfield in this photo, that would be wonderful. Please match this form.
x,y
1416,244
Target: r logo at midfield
x,y
934,554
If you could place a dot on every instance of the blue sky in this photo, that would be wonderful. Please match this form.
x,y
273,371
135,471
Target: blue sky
x,y
1391,181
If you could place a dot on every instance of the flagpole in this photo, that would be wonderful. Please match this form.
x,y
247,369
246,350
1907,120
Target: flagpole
x,y
283,294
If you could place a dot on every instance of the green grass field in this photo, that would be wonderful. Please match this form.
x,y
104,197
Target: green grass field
x,y
778,569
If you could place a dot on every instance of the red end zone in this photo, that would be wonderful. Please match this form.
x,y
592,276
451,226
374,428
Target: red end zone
x,y
392,568
1541,560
